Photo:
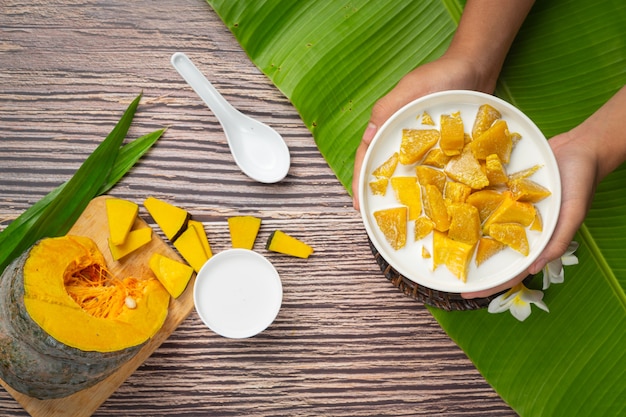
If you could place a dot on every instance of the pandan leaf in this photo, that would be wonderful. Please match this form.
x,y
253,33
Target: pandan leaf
x,y
334,59
55,213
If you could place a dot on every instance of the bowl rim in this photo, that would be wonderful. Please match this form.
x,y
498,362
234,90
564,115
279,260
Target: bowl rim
x,y
473,98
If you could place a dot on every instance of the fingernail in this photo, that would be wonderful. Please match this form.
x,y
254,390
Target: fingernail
x,y
369,133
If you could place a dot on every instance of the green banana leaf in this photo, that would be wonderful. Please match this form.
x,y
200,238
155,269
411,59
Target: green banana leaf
x,y
334,58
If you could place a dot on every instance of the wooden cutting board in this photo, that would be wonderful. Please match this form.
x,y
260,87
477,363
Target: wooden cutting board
x,y
93,223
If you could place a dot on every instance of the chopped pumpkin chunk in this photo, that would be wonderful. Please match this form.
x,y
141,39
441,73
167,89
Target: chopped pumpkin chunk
x,y
485,117
487,247
436,158
496,173
511,211
453,254
283,243
452,134
191,248
486,201
379,186
393,223
464,223
408,192
121,215
465,168
415,143
428,175
456,192
524,189
387,168
423,227
171,219
243,231
511,234
173,275
495,140
435,207
202,236
136,239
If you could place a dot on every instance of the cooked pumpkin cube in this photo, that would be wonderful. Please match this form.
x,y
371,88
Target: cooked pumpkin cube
x,y
496,173
453,254
435,207
525,173
408,192
379,186
524,189
495,140
511,234
452,134
511,211
427,119
485,117
393,222
422,227
487,247
537,224
456,192
425,253
415,143
428,175
387,168
465,168
464,223
436,158
486,201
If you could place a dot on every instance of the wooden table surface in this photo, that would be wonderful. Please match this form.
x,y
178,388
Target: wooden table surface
x,y
345,343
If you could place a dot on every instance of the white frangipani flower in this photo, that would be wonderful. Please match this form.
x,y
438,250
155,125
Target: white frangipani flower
x,y
553,271
518,300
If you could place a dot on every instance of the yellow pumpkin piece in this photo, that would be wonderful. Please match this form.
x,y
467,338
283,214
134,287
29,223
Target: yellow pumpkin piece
x,y
423,227
243,231
288,245
379,186
511,234
453,254
202,236
496,173
485,117
515,137
525,173
427,119
121,215
173,275
171,219
456,192
524,189
393,223
428,175
425,253
487,247
408,192
495,140
511,211
70,293
537,224
452,134
136,239
415,143
387,168
436,158
435,207
486,201
464,223
465,168
191,248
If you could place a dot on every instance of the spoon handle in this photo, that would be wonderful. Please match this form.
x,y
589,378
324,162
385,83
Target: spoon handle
x,y
222,109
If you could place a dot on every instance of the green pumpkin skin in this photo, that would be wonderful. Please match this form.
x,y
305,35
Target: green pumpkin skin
x,y
35,364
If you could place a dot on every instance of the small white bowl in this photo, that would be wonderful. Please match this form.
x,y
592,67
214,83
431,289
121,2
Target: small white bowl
x,y
531,150
238,293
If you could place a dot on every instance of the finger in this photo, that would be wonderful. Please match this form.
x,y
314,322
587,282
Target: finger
x,y
368,135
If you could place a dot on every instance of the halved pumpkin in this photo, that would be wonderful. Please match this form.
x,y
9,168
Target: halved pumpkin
x,y
69,292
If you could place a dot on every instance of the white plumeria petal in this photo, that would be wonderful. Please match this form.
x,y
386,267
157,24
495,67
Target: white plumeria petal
x,y
518,300
553,272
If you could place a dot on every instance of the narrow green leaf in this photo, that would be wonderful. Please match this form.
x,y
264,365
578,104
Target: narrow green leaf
x,y
63,206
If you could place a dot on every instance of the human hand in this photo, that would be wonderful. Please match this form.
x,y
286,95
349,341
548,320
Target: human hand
x,y
449,72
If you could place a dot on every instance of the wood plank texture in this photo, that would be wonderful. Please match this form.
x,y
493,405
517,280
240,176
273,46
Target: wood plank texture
x,y
345,343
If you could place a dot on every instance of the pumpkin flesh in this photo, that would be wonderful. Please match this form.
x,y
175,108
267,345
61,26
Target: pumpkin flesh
x,y
91,313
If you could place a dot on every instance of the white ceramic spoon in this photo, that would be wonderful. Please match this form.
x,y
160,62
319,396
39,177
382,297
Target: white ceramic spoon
x,y
258,150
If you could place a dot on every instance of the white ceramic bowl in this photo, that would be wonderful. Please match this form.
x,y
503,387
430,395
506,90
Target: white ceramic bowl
x,y
238,293
531,150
